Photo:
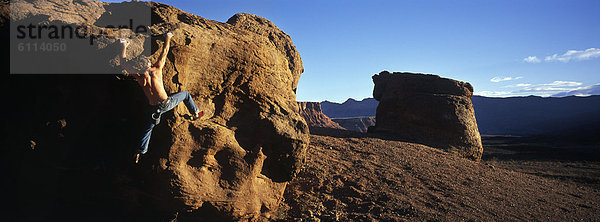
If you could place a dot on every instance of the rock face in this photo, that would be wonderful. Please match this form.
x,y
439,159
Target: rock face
x,y
358,124
245,73
312,113
428,109
232,164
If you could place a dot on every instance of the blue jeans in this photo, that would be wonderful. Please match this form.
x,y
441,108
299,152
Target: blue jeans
x,y
154,113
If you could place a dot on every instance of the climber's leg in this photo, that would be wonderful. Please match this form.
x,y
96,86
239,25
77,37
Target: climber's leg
x,y
179,97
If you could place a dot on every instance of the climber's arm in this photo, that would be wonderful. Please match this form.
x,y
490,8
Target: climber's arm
x,y
160,64
123,58
141,79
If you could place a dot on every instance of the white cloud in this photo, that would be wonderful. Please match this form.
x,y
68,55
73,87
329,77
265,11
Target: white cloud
x,y
562,83
556,88
532,59
582,91
501,79
493,93
574,55
518,85
551,88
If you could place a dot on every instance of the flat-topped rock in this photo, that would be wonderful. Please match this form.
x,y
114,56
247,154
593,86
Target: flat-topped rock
x,y
428,109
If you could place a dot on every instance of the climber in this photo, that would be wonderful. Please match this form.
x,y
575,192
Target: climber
x,y
149,77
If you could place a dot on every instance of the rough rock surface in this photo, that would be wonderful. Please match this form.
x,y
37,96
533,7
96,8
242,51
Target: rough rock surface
x,y
245,73
428,109
312,113
232,164
358,124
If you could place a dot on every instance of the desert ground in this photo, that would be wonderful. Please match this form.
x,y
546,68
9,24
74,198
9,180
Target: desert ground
x,y
365,177
555,159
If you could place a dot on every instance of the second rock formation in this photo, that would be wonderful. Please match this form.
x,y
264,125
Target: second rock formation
x,y
428,109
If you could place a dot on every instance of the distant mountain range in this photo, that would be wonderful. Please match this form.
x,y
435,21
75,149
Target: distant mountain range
x,y
350,108
531,115
537,115
585,91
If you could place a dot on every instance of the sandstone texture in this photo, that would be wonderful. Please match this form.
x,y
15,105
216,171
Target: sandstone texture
x,y
312,113
428,109
358,124
233,164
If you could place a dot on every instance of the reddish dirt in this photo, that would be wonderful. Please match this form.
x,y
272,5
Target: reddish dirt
x,y
359,177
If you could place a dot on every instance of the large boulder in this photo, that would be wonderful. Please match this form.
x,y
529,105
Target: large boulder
x,y
314,116
232,164
428,109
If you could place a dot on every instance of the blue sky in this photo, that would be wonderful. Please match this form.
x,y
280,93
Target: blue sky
x,y
504,48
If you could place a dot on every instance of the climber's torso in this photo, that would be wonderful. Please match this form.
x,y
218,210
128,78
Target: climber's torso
x,y
152,84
